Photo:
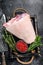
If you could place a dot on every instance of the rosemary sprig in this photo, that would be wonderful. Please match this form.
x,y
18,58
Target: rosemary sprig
x,y
35,44
9,40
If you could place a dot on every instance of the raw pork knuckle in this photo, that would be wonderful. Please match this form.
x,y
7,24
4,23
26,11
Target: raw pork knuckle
x,y
21,26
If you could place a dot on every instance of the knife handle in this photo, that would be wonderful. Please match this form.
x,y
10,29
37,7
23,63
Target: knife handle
x,y
3,59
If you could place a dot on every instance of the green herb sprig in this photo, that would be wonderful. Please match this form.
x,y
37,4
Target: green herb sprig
x,y
35,44
9,39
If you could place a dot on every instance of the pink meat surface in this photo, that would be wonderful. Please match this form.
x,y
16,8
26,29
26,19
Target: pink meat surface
x,y
21,27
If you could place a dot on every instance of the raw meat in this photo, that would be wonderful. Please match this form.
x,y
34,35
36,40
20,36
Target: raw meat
x,y
21,27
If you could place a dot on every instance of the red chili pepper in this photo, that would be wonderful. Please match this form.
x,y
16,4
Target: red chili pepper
x,y
21,46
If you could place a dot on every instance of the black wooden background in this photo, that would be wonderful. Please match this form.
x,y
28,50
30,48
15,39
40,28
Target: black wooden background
x,y
34,7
